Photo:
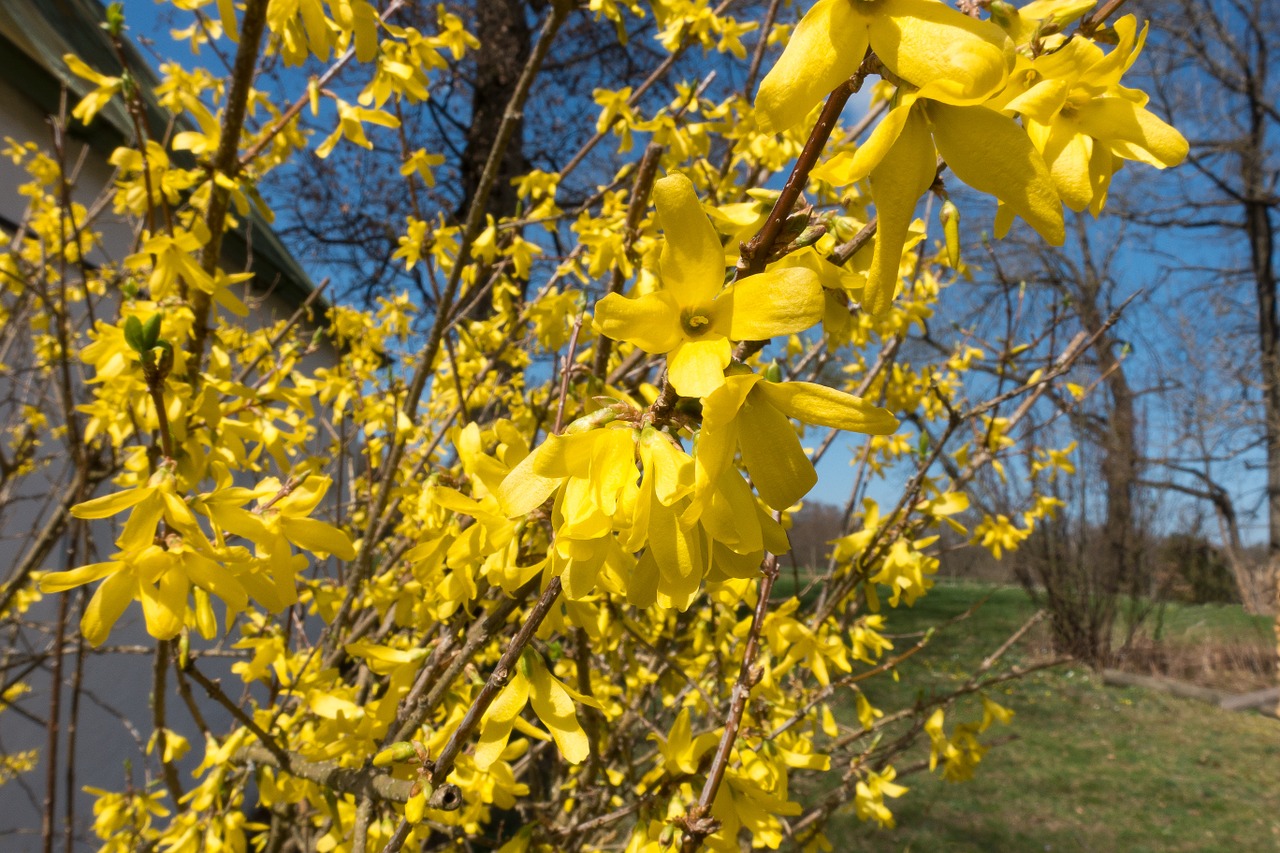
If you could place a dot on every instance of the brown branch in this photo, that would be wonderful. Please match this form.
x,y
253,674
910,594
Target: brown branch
x,y
51,730
566,374
604,819
360,833
188,699
990,660
756,251
497,680
66,211
155,389
158,696
73,723
439,769
364,782
698,824
416,708
216,693
760,249
757,55
226,163
663,407
842,253
1095,19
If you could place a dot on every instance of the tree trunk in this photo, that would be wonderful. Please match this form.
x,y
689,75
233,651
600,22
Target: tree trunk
x,y
1262,262
505,40
1120,445
505,45
1258,200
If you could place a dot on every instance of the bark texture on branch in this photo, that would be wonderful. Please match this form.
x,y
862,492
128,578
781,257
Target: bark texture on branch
x,y
365,782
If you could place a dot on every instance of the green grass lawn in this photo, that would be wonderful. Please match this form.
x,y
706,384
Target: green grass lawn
x,y
1194,622
1093,768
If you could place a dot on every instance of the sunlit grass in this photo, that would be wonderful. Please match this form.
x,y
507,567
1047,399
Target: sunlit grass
x,y
1092,768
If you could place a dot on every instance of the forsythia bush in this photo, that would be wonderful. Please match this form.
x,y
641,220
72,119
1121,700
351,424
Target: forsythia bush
x,y
541,609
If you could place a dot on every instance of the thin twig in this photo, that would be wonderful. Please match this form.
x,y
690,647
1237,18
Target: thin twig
x,y
365,782
756,251
497,680
159,694
225,163
216,693
698,823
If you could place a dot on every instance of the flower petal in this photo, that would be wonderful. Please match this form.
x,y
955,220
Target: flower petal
x,y
554,706
823,406
582,572
679,554
210,576
960,59
108,505
717,440
779,468
318,537
696,368
730,564
524,489
613,466
511,700
634,539
108,602
233,519
1103,165
826,49
164,606
1134,132
732,517
567,455
905,173
844,169
642,590
776,302
668,467
62,581
1040,102
692,260
1067,153
651,321
140,530
494,735
993,155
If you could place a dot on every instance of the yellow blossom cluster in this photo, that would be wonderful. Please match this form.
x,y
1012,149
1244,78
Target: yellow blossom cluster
x,y
507,565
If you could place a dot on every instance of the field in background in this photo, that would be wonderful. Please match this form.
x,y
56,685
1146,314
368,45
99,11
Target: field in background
x,y
1092,768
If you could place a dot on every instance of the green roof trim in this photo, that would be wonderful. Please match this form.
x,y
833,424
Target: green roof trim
x,y
36,34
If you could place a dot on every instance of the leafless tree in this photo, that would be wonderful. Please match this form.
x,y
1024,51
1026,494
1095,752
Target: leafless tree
x,y
1088,563
1213,78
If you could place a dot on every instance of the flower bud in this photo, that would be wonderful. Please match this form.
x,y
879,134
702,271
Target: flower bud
x,y
397,752
1002,13
416,807
950,216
